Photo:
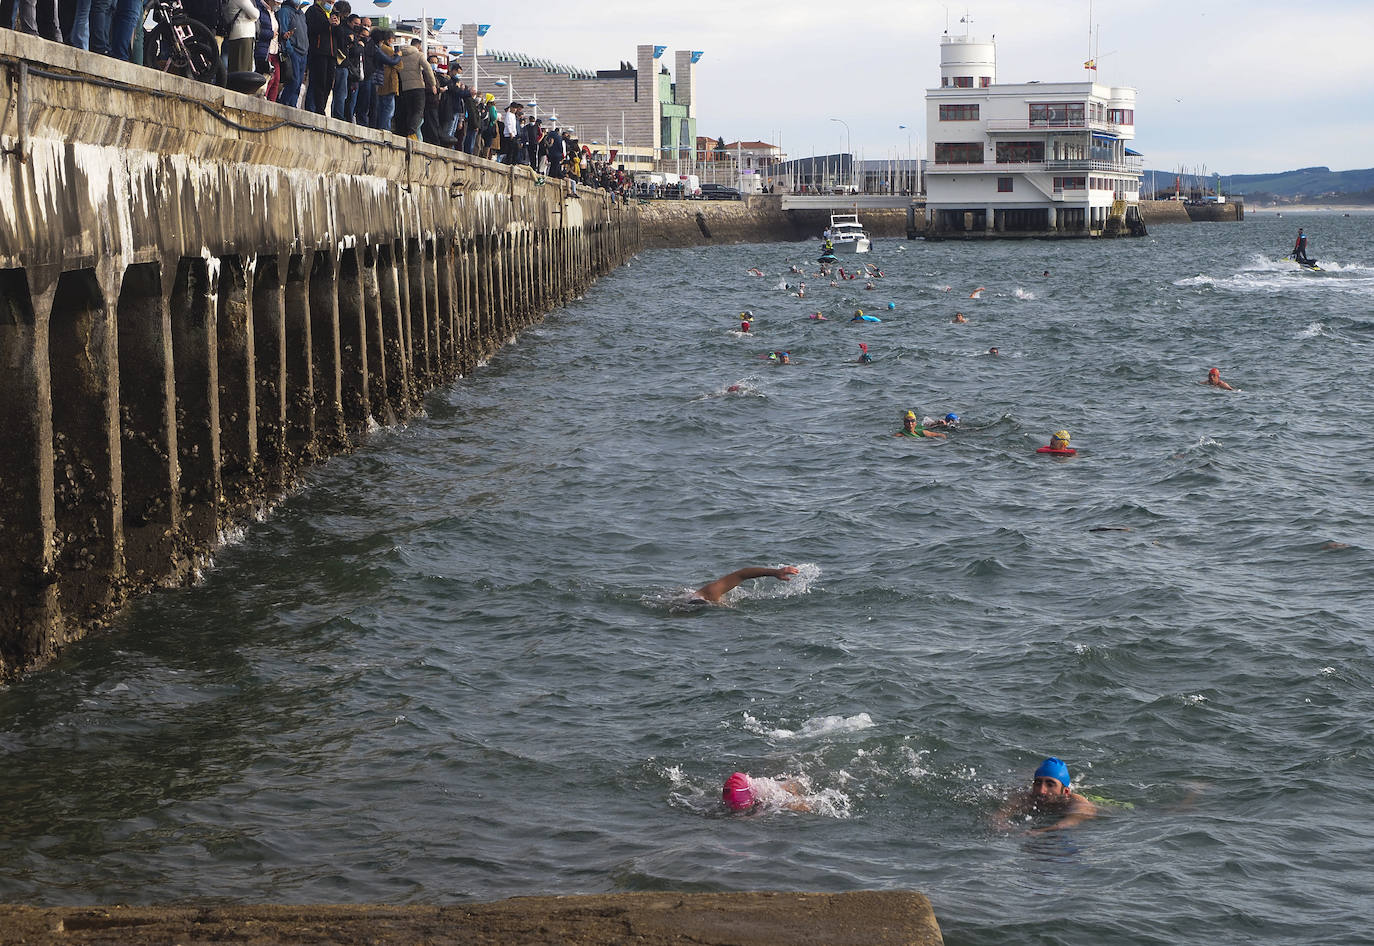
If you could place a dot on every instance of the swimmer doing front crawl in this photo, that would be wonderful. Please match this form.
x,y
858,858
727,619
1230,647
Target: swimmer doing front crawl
x,y
712,592
1050,797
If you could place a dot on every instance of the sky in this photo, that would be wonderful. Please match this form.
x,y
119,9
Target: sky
x,y
1232,86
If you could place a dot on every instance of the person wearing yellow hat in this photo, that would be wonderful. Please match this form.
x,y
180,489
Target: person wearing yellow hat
x,y
1059,445
911,427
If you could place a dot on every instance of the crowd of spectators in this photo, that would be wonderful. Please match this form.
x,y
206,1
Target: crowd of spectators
x,y
322,56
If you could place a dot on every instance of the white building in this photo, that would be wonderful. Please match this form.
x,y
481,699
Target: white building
x,y
1029,158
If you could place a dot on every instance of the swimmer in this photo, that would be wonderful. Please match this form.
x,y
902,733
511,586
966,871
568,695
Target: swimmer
x,y
977,293
712,593
818,317
869,285
993,351
1049,795
948,422
780,357
746,320
911,427
1214,379
1059,440
833,284
891,306
860,317
746,793
959,317
797,269
1045,273
755,272
864,357
801,291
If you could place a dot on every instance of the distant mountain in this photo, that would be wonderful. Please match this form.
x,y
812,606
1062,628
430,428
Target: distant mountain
x,y
1305,185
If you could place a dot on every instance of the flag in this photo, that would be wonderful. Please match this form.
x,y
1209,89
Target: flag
x,y
1091,64
901,126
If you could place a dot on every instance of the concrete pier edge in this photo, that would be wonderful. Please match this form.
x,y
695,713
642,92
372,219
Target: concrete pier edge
x,y
762,918
202,293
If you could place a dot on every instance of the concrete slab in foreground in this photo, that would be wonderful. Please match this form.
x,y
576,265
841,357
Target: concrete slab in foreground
x,y
862,918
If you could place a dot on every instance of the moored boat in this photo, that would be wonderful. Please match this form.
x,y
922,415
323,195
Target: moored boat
x,y
847,234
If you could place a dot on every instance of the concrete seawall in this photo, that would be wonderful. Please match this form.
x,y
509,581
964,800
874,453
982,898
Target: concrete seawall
x,y
663,918
200,292
760,219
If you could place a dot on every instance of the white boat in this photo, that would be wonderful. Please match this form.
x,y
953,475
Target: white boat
x,y
847,234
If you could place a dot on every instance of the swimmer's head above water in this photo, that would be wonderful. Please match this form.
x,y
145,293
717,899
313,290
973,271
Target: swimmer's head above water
x,y
736,793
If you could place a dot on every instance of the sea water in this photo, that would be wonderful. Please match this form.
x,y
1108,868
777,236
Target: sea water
x,y
458,664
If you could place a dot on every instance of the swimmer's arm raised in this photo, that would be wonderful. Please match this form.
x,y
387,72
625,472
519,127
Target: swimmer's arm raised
x,y
715,590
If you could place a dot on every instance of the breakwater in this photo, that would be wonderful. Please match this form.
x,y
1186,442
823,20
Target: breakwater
x,y
757,219
202,292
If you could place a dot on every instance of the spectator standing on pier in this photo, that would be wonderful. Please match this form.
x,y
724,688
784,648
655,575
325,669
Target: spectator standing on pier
x,y
510,133
353,63
320,63
386,76
431,131
532,133
243,31
555,152
292,48
344,21
473,120
365,111
266,60
416,79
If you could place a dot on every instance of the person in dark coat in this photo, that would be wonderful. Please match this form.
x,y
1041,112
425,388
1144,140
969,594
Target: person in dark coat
x,y
320,64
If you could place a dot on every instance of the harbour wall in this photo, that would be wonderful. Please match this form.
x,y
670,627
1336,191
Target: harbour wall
x,y
756,219
1177,211
202,292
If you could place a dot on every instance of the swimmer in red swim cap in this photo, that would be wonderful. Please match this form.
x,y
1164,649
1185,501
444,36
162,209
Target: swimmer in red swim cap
x,y
1214,380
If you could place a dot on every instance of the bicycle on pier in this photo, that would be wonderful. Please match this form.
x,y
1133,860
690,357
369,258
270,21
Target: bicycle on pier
x,y
180,44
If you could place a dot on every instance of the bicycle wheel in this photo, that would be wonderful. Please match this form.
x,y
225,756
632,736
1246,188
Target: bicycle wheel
x,y
184,47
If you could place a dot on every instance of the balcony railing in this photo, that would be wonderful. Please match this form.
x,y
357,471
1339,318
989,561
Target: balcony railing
x,y
1129,166
1061,124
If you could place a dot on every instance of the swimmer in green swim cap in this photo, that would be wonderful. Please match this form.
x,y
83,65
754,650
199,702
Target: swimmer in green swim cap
x,y
1049,796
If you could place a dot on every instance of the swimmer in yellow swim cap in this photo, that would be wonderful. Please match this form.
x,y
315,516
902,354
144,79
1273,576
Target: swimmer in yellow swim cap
x,y
1059,440
911,427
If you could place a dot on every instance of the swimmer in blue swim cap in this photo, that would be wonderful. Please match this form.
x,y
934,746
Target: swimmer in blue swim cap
x,y
1049,797
948,422
891,306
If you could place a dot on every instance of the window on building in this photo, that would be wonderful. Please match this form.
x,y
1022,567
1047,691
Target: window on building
x,y
1004,185
1121,116
1056,113
958,113
984,81
1070,183
958,152
962,82
1020,152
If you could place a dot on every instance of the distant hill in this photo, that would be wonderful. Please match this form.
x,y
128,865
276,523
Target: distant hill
x,y
1305,185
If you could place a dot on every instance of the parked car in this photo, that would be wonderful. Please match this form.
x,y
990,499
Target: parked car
x,y
720,192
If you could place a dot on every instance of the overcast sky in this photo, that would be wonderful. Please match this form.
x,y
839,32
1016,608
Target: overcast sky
x,y
1240,86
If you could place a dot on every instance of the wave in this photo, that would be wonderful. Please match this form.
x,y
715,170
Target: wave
x,y
812,728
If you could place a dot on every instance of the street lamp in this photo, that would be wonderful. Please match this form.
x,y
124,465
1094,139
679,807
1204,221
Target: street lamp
x,y
847,145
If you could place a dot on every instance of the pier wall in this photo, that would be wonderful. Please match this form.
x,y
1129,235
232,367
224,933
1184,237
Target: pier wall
x,y
756,219
202,292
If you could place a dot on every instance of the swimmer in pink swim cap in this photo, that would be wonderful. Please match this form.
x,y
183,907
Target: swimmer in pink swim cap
x,y
745,793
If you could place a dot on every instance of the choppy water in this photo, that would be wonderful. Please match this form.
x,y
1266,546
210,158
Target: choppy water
x,y
454,665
